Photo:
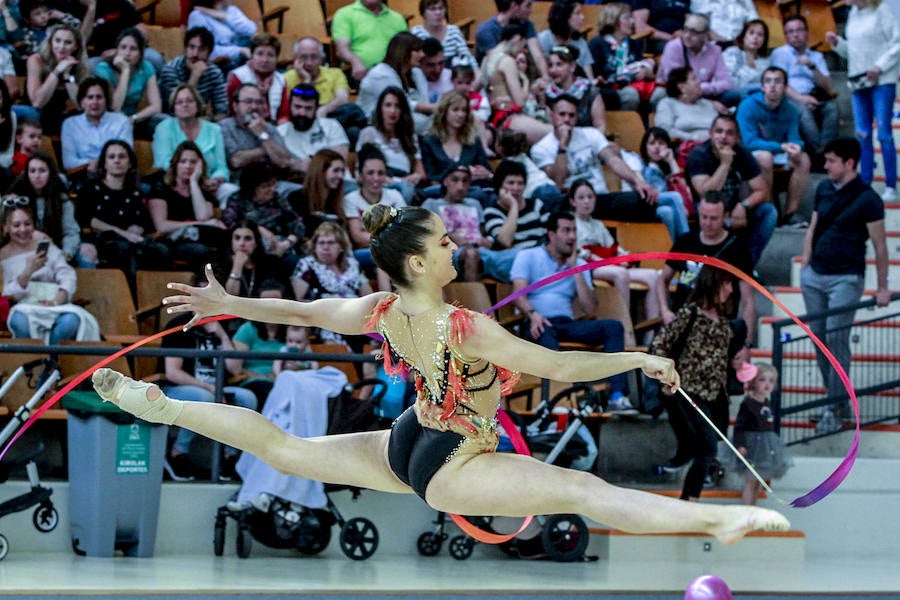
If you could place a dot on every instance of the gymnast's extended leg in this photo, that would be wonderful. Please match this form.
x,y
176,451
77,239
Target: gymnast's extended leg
x,y
358,459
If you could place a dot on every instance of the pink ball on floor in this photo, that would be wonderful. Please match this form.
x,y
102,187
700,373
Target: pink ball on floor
x,y
708,587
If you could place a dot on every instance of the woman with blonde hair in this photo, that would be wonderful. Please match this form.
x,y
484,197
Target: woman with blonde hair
x,y
453,138
53,75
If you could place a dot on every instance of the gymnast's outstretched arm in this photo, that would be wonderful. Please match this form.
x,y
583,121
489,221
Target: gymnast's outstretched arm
x,y
343,315
492,342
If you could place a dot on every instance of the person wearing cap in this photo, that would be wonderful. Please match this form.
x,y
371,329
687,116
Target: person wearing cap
x,y
306,133
462,216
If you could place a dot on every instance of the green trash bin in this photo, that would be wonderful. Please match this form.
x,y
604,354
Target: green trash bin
x,y
115,476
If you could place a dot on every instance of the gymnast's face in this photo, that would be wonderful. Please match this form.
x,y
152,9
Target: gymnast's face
x,y
437,260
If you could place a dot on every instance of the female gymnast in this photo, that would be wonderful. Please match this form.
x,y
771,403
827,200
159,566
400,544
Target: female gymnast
x,y
443,447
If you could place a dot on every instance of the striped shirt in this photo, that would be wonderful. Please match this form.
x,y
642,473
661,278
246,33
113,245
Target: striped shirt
x,y
454,43
211,85
530,230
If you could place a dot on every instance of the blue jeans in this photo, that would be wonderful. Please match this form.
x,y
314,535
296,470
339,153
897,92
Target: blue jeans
x,y
609,332
242,397
671,211
824,292
876,103
497,263
65,327
763,220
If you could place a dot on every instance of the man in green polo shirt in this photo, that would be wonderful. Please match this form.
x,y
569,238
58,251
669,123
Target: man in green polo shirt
x,y
361,32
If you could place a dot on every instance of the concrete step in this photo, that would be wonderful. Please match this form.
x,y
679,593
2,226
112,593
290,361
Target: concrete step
x,y
871,273
791,297
868,338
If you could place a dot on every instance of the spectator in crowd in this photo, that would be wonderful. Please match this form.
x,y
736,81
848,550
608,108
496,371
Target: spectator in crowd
x,y
330,270
362,31
453,138
434,25
392,131
509,88
872,49
696,51
549,309
770,129
245,266
662,20
11,79
307,132
847,212
322,194
38,278
230,27
372,176
514,223
53,209
279,224
196,69
113,206
195,379
619,64
434,68
7,137
809,84
569,152
513,146
84,135
703,362
261,70
748,57
490,33
723,164
399,69
181,209
187,125
29,134
726,17
711,239
595,242
330,83
260,337
133,81
561,64
462,216
250,138
565,23
36,19
111,18
660,170
684,112
55,72
463,78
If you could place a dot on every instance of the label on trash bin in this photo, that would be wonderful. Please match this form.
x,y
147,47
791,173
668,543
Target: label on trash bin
x,y
133,449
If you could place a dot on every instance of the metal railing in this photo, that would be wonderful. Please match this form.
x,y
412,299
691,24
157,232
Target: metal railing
x,y
801,397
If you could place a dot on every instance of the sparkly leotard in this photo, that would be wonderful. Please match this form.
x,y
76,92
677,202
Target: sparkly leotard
x,y
455,411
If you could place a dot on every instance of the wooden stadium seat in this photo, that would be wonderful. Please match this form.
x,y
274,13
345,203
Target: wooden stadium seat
x,y
270,21
479,10
151,289
143,149
348,368
330,7
165,13
168,41
106,295
626,128
20,392
304,18
642,237
770,14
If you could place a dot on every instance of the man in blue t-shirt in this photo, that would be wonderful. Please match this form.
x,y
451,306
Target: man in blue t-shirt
x,y
550,319
846,213
487,36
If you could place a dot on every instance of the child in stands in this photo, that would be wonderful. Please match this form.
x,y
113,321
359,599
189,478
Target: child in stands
x,y
28,142
754,435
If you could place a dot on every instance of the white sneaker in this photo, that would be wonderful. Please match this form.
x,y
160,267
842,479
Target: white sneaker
x,y
621,406
889,195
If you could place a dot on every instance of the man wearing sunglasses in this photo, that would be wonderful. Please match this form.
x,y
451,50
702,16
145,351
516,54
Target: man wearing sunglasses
x,y
306,133
694,49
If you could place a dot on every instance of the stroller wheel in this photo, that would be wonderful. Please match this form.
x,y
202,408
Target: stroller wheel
x,y
429,543
461,547
4,546
244,542
219,537
359,538
317,542
565,537
45,518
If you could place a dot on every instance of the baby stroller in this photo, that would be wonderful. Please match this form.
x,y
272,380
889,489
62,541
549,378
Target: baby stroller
x,y
45,517
279,522
562,537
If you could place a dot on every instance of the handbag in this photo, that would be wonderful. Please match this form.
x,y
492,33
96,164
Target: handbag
x,y
677,183
859,81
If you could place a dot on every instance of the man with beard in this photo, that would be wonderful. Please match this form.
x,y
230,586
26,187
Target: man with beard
x,y
306,133
195,68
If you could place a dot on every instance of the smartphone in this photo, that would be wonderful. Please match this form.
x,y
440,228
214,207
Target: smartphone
x,y
43,246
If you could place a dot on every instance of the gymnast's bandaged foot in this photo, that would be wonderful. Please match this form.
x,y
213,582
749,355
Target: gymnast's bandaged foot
x,y
143,400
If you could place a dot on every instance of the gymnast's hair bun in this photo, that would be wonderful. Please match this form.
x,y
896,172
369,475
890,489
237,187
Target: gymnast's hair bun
x,y
377,218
